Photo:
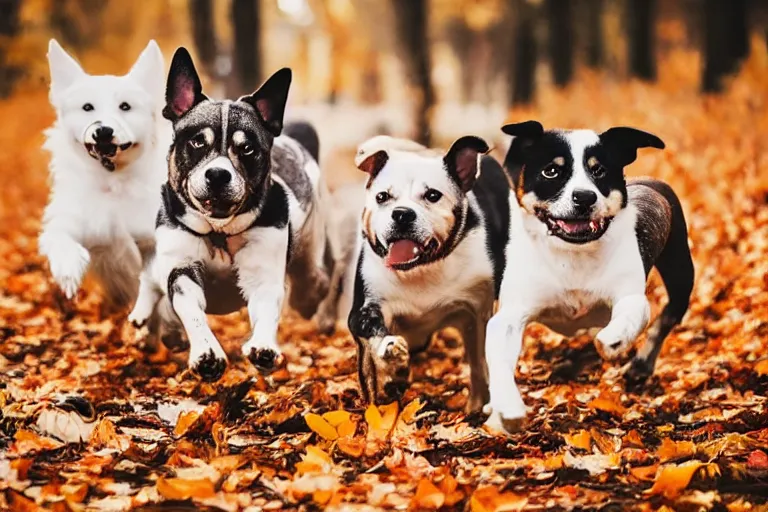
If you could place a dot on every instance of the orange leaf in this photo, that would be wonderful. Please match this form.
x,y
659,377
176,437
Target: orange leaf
x,y
761,367
581,439
314,461
321,427
450,486
227,463
410,411
632,438
428,496
373,418
185,421
347,429
671,450
674,478
645,473
74,493
181,489
336,418
609,404
322,497
489,499
352,446
388,415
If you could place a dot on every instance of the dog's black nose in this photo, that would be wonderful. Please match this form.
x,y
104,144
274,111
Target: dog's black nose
x,y
403,216
217,178
584,198
103,134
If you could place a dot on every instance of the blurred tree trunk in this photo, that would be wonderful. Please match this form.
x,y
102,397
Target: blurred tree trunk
x,y
247,51
522,68
76,22
641,21
204,34
726,41
461,37
560,40
411,20
594,26
9,27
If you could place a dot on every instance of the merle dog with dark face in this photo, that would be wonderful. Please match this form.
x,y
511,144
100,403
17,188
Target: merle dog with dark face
x,y
582,242
241,214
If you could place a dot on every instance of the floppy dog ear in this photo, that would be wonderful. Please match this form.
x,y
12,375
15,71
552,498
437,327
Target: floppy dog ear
x,y
525,134
623,142
374,163
148,69
462,160
270,99
64,69
183,90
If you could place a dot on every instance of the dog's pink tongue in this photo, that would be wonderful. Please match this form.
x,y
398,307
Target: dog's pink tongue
x,y
402,251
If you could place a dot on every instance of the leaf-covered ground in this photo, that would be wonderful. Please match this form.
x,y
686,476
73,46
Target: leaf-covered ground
x,y
90,420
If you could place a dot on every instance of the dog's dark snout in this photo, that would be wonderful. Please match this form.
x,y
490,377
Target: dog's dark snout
x,y
584,198
217,178
103,134
403,216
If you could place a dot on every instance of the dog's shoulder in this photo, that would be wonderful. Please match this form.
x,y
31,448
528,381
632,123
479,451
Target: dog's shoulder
x,y
294,165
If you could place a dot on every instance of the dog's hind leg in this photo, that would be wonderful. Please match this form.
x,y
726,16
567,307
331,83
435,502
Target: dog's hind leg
x,y
675,266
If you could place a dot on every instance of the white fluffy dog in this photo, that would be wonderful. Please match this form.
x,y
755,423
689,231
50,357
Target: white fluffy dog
x,y
108,161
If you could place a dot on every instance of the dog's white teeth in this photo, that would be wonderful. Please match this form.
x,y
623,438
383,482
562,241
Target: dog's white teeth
x,y
593,226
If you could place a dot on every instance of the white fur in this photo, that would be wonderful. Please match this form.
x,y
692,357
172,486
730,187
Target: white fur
x,y
90,207
544,272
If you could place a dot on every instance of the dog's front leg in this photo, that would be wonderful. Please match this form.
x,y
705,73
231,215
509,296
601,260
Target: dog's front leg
x,y
629,317
185,292
504,342
261,277
68,259
382,359
147,299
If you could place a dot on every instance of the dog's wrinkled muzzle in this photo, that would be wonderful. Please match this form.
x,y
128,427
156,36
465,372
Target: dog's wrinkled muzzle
x,y
104,143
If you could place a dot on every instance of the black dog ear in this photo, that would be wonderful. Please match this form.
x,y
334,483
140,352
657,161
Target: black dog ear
x,y
270,99
462,161
623,142
525,134
183,89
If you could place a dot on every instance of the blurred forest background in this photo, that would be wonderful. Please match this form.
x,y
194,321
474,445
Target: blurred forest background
x,y
426,69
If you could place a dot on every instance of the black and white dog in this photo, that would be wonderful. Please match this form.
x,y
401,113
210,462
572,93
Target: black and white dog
x,y
434,227
582,242
241,212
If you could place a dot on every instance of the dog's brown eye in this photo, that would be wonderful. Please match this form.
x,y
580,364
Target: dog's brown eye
x,y
246,149
197,143
433,195
87,107
550,172
125,107
382,197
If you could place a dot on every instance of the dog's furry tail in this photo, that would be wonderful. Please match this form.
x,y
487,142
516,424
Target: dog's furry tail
x,y
306,134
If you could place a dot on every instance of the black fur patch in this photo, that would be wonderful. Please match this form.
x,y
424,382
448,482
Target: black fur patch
x,y
209,367
492,193
194,272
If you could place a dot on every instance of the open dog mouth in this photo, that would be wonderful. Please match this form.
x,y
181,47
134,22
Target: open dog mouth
x,y
106,152
575,230
405,253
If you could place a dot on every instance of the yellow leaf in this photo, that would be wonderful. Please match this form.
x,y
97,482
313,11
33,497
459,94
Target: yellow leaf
x,y
336,418
373,418
672,478
185,421
74,493
410,411
314,461
321,427
581,439
428,496
388,415
347,429
322,497
761,367
181,489
227,463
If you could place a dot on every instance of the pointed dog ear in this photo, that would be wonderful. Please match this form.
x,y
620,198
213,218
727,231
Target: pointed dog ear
x,y
462,160
64,69
525,135
270,99
374,163
623,142
148,69
183,90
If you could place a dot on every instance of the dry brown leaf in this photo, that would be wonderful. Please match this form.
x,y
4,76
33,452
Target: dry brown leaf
x,y
185,422
673,450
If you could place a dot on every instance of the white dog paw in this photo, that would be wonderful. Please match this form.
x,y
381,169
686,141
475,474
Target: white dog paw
x,y
140,313
610,346
393,350
68,268
208,363
507,420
